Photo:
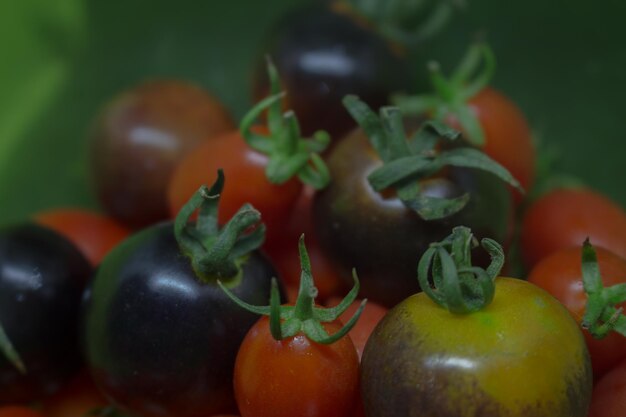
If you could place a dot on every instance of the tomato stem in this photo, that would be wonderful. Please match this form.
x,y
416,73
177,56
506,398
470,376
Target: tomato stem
x,y
9,351
408,160
602,316
451,95
457,285
287,321
289,154
217,253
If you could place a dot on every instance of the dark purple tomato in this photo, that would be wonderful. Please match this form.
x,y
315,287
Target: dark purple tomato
x,y
375,233
42,276
322,55
139,138
158,341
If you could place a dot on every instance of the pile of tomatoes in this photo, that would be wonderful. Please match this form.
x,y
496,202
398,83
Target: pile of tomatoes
x,y
314,194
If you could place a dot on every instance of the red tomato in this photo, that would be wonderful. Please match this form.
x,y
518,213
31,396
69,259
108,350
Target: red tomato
x,y
18,411
295,377
561,275
508,139
92,233
566,217
371,315
246,182
609,394
76,399
283,252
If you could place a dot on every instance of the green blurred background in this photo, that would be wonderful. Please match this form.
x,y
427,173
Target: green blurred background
x,y
562,61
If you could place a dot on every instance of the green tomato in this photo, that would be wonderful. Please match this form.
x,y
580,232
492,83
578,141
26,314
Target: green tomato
x,y
522,355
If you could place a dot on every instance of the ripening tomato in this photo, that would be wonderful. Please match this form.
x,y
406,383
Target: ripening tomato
x,y
561,275
75,399
566,217
295,376
19,411
609,394
92,233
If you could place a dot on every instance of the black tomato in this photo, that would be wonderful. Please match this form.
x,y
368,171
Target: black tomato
x,y
160,340
42,276
377,234
322,55
138,139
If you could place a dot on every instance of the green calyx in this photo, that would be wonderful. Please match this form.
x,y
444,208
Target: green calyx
x,y
602,314
451,95
456,284
408,22
216,253
304,317
408,160
288,154
6,347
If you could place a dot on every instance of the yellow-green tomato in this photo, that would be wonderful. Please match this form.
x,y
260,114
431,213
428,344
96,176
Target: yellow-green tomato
x,y
522,355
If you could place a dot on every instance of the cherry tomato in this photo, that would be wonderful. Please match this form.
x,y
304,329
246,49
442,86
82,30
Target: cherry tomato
x,y
566,217
75,399
247,183
609,394
138,139
42,277
321,56
19,411
561,275
295,376
92,233
521,355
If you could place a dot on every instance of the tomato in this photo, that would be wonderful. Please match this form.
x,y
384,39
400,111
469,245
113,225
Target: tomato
x,y
247,183
42,277
160,337
323,55
473,344
76,399
358,227
295,376
139,137
566,217
609,394
94,234
560,274
19,411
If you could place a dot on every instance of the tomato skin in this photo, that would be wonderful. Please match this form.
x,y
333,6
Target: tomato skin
x,y
19,411
295,376
561,275
521,355
92,233
157,341
74,399
321,56
42,276
139,137
246,181
609,394
508,139
379,236
566,217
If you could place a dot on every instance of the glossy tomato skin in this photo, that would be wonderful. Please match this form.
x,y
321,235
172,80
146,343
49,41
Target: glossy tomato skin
x,y
564,218
295,376
360,228
140,136
322,55
508,139
522,355
244,169
561,275
157,341
42,276
93,233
